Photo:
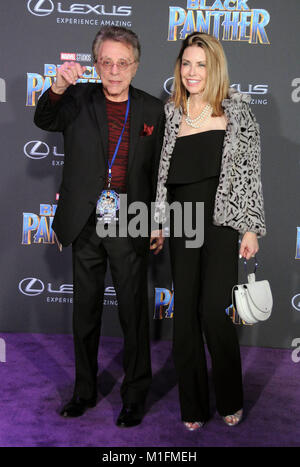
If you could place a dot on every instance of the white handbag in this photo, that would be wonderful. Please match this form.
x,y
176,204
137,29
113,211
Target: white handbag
x,y
253,301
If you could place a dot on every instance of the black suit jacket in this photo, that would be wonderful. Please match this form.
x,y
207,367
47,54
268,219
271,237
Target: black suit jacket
x,y
81,115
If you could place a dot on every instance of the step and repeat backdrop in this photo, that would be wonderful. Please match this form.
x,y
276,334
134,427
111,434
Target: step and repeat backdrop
x,y
261,41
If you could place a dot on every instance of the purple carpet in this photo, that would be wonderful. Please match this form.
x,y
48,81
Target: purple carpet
x,y
37,378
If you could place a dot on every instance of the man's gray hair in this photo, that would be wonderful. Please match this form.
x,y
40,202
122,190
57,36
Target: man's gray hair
x,y
118,34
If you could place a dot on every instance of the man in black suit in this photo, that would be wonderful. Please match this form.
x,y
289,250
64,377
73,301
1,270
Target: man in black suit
x,y
112,138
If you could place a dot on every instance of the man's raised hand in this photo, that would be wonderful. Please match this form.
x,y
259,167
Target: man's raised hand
x,y
68,73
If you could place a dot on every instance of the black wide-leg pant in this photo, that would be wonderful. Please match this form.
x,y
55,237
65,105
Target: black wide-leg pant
x,y
203,279
129,274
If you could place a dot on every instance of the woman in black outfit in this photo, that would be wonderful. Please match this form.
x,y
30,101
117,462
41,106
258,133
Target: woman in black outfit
x,y
211,154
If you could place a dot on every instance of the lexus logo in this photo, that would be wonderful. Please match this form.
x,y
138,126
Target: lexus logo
x,y
40,7
251,88
31,286
169,85
296,302
46,7
36,149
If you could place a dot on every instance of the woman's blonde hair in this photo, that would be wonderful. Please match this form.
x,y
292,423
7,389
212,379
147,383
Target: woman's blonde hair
x,y
217,81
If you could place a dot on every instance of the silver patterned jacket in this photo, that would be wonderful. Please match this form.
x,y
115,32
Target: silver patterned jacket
x,y
239,198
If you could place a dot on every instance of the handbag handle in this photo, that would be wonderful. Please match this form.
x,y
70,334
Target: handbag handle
x,y
255,265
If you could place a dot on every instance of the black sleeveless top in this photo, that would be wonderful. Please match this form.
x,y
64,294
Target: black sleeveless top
x,y
196,157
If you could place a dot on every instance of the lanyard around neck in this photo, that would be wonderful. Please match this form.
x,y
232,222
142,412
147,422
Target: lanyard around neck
x,y
119,142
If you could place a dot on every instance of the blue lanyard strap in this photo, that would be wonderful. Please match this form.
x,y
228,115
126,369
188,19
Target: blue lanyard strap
x,y
119,142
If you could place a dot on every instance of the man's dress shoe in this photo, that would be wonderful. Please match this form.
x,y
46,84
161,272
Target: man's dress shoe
x,y
77,406
130,415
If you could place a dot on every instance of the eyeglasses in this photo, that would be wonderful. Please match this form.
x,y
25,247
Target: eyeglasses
x,y
121,64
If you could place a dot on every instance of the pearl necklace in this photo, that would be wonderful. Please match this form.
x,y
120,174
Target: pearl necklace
x,y
198,121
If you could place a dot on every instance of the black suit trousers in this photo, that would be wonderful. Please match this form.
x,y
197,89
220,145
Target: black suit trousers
x,y
129,274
